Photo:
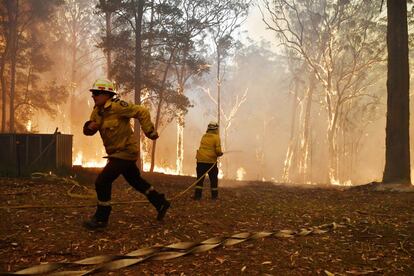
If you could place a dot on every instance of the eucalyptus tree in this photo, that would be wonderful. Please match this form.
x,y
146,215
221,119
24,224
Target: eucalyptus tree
x,y
340,41
297,164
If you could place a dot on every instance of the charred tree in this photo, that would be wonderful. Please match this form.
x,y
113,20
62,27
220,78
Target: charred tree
x,y
397,152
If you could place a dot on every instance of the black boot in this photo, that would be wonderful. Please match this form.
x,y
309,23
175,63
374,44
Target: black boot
x,y
160,203
100,219
198,193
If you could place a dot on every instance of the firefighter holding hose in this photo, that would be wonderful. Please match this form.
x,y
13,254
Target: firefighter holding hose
x,y
207,154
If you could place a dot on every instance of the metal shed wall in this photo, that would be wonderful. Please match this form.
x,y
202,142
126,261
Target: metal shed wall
x,y
22,154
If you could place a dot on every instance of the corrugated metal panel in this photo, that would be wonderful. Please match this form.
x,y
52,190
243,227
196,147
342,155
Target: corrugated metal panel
x,y
26,153
64,151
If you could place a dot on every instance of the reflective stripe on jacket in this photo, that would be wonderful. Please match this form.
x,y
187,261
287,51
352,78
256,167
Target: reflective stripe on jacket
x,y
210,147
116,130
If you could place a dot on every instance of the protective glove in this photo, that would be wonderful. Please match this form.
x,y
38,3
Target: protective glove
x,y
87,130
153,135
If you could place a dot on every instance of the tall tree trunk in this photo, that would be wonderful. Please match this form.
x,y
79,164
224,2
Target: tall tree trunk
x,y
3,63
332,158
304,141
332,134
397,151
292,138
138,65
181,76
14,47
73,79
158,115
108,28
224,159
151,25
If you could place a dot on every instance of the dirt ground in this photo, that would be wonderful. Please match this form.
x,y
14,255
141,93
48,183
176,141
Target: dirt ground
x,y
378,240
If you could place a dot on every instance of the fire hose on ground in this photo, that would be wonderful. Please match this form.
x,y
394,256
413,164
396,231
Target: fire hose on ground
x,y
107,263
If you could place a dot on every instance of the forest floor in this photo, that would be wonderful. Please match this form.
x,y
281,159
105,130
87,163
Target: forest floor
x,y
375,233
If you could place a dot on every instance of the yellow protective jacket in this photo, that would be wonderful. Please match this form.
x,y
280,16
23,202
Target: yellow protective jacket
x,y
210,147
116,130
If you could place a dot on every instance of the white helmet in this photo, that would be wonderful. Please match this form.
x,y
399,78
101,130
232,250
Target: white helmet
x,y
103,85
212,125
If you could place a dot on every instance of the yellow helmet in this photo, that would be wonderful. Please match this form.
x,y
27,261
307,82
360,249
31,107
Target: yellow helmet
x,y
103,85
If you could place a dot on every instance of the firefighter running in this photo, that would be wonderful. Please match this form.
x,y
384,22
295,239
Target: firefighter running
x,y
207,154
111,117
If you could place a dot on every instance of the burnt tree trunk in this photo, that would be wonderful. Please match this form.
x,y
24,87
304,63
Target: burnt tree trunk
x,y
138,65
397,152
